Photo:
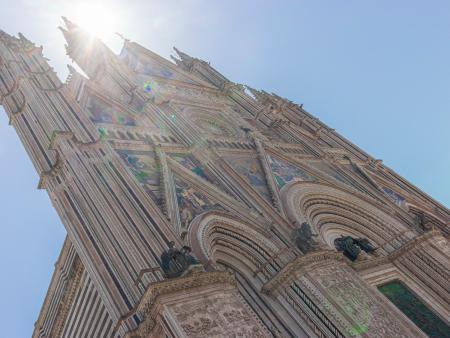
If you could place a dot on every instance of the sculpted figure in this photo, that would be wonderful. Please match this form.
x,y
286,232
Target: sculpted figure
x,y
347,245
352,248
364,244
175,262
304,238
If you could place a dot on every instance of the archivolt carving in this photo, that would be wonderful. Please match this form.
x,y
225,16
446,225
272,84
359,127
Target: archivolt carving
x,y
214,234
332,212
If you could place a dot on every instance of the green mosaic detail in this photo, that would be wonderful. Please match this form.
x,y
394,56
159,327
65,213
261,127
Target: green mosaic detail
x,y
415,310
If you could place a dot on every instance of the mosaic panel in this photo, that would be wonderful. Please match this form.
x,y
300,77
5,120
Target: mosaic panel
x,y
191,202
107,114
251,170
144,167
394,197
190,163
414,309
285,173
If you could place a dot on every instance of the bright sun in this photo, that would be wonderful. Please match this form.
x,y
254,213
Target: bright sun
x,y
96,18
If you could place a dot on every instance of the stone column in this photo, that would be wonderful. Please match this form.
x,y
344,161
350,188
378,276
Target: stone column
x,y
201,305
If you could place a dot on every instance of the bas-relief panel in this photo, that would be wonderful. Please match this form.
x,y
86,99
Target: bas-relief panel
x,y
217,316
285,173
191,202
104,113
251,170
343,293
414,309
146,170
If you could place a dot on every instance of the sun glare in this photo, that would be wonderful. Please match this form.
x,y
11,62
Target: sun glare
x,y
96,18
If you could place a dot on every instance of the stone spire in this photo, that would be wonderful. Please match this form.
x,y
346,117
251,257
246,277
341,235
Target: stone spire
x,y
200,68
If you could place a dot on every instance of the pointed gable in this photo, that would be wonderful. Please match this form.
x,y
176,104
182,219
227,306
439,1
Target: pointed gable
x,y
104,113
250,169
191,202
150,65
145,168
284,172
192,164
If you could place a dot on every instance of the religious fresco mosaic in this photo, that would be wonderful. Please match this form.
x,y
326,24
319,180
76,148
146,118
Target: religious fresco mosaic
x,y
394,197
251,170
285,173
107,114
414,309
191,163
191,202
145,168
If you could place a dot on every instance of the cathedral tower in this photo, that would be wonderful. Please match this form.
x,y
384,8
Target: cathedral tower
x,y
197,207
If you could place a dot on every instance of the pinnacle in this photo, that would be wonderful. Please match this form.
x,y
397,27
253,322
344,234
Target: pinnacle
x,y
69,24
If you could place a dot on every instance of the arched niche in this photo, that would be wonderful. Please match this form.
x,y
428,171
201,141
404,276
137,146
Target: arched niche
x,y
332,212
221,241
216,236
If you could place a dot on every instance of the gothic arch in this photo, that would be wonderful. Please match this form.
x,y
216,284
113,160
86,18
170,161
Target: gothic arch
x,y
332,212
216,235
224,242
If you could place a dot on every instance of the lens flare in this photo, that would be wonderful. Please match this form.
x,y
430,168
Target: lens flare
x,y
97,18
147,87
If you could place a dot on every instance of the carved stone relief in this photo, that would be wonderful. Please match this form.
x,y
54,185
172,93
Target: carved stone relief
x,y
221,315
351,302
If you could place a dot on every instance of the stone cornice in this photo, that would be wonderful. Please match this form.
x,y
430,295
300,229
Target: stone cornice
x,y
58,136
194,280
412,244
298,266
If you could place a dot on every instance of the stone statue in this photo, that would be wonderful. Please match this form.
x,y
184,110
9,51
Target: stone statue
x,y
364,244
347,245
353,248
304,238
175,262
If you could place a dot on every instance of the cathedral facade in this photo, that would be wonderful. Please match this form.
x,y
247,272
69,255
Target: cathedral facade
x,y
197,207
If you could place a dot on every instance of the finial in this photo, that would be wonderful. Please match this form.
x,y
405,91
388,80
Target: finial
x,y
69,24
183,56
72,70
23,38
122,37
174,59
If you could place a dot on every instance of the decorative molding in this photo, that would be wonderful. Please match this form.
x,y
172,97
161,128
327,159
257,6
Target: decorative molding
x,y
298,267
393,256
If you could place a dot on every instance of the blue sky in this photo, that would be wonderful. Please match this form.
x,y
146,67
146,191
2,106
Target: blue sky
x,y
376,71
